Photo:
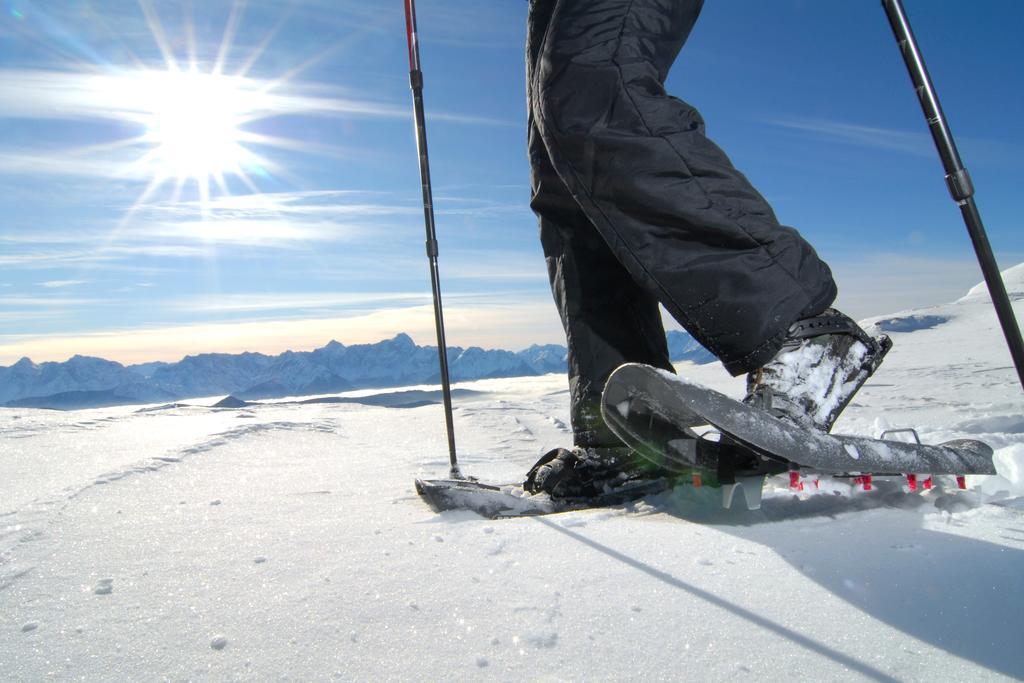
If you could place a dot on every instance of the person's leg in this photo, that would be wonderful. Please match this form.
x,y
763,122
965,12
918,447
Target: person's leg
x,y
687,226
608,318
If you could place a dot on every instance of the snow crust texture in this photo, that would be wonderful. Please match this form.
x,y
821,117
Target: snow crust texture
x,y
285,541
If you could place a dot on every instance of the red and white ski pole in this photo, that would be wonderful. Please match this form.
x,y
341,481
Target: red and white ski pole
x,y
416,82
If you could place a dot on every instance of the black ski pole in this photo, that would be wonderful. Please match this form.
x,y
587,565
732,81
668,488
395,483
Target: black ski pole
x,y
416,82
957,179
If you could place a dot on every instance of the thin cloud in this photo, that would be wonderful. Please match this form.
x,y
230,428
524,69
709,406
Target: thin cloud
x,y
51,259
72,95
66,163
100,255
52,284
252,232
864,136
46,302
292,204
155,250
301,301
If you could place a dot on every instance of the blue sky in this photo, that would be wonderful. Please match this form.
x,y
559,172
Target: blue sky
x,y
207,175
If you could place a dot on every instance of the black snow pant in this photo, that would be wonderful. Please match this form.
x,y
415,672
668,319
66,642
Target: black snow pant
x,y
637,207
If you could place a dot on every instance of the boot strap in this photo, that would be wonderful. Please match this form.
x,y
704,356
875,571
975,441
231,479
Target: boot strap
x,y
829,322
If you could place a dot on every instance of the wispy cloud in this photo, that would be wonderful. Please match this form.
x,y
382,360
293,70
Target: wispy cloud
x,y
45,302
252,232
52,284
67,163
333,203
101,254
297,302
288,220
125,96
864,136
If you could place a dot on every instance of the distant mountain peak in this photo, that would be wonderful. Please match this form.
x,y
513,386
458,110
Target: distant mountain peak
x,y
403,338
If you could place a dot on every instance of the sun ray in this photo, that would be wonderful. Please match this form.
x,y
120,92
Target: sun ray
x,y
291,144
244,177
96,18
179,185
157,29
296,70
257,52
190,35
87,150
204,197
222,183
65,44
234,18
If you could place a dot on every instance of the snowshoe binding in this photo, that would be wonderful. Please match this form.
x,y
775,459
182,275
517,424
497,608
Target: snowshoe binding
x,y
595,473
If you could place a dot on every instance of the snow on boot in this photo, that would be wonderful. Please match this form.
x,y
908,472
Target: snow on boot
x,y
823,362
588,473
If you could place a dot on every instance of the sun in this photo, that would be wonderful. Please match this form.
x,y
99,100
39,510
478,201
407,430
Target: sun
x,y
193,129
194,125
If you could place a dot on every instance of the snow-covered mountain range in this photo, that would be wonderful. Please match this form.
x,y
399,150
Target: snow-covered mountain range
x,y
85,382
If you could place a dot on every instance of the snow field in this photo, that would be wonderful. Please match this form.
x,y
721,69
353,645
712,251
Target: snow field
x,y
285,542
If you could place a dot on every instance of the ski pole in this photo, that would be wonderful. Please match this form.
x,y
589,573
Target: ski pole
x,y
957,179
416,83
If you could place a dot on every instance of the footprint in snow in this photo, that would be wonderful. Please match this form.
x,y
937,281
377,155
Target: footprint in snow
x,y
29,627
104,587
219,642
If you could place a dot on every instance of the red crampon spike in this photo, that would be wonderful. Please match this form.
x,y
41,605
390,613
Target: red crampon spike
x,y
697,481
866,481
794,480
961,481
912,482
927,483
